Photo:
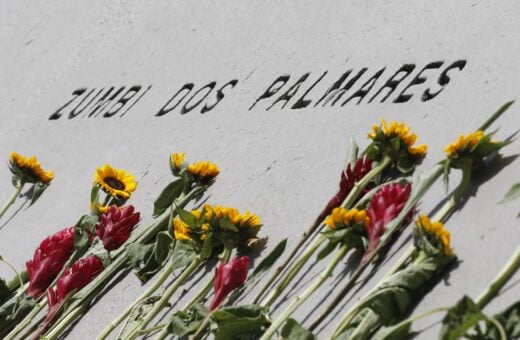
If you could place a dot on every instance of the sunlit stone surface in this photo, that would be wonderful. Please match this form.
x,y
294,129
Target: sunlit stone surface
x,y
255,87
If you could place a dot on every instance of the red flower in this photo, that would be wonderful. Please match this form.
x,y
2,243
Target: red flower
x,y
228,276
48,260
349,177
75,278
385,205
116,225
78,276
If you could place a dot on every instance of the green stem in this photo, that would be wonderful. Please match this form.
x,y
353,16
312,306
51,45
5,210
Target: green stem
x,y
142,235
226,255
148,292
152,329
269,333
163,301
345,321
198,334
164,333
350,283
27,320
11,199
442,215
495,115
408,321
361,185
200,295
18,276
297,247
15,282
500,280
294,270
456,196
349,200
421,187
499,327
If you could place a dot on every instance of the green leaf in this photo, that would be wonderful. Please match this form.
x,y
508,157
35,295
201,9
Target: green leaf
x,y
242,322
512,194
394,298
362,326
13,312
495,115
85,227
325,251
396,143
460,318
38,189
352,236
292,330
184,323
207,247
137,314
149,259
168,196
163,245
94,194
510,321
484,149
405,165
400,331
188,218
137,252
4,290
226,224
352,154
183,254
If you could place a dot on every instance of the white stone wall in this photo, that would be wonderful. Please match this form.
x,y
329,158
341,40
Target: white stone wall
x,y
281,163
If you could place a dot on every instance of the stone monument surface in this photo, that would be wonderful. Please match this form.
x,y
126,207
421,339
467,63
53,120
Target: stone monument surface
x,y
271,91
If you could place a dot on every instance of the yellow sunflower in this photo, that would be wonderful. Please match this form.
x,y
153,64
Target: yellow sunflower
x,y
203,171
176,160
401,131
181,230
114,181
342,217
29,169
436,229
247,219
463,143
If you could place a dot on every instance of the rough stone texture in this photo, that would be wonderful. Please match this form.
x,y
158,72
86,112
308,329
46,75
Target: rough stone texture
x,y
282,164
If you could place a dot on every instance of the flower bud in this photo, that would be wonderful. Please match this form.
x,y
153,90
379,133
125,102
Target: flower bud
x,y
116,225
49,258
349,177
78,276
229,276
385,205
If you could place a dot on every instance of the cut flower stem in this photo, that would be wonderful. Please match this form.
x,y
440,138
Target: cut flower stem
x,y
269,333
142,235
500,280
318,240
418,190
163,301
10,201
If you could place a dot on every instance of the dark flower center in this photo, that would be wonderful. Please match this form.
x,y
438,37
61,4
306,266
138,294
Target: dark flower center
x,y
115,183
